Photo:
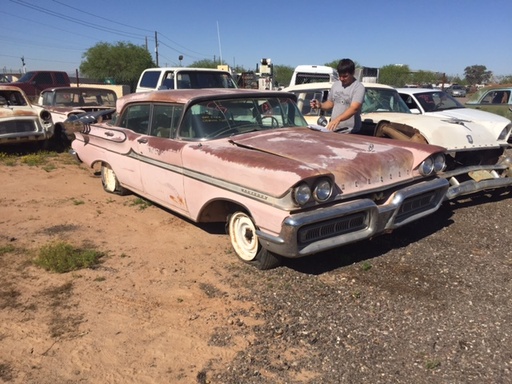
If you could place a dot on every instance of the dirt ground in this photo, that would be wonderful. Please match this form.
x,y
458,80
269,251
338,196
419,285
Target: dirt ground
x,y
171,303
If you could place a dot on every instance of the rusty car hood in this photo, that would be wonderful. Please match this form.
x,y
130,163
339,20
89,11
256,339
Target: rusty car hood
x,y
285,156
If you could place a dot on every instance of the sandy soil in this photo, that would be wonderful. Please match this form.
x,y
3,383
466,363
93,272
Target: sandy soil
x,y
146,314
170,302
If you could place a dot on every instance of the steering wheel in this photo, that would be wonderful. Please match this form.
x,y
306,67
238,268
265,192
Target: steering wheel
x,y
274,123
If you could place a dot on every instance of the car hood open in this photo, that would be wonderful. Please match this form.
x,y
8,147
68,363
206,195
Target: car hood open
x,y
452,133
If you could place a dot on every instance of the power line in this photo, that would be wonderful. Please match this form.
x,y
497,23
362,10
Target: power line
x,y
75,20
100,17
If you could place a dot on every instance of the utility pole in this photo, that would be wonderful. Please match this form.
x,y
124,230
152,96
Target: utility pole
x,y
156,47
23,62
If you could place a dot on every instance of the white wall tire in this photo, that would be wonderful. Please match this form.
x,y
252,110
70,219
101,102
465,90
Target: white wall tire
x,y
245,242
110,182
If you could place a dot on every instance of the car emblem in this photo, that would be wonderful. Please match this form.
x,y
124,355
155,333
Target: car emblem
x,y
460,122
371,148
470,139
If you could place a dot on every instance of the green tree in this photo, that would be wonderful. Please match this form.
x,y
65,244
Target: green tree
x,y
424,77
395,75
205,63
122,62
283,75
505,79
477,74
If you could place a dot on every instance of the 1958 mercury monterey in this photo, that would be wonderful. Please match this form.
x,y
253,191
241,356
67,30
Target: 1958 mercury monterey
x,y
247,158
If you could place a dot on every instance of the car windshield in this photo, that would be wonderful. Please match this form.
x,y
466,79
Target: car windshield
x,y
223,118
81,97
383,100
437,101
12,98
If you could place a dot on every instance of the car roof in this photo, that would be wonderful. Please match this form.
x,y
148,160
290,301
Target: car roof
x,y
412,91
76,88
10,88
183,96
184,69
328,85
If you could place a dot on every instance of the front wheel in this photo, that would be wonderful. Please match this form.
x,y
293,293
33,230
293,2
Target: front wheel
x,y
242,233
110,182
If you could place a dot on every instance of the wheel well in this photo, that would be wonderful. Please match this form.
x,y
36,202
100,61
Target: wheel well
x,y
219,210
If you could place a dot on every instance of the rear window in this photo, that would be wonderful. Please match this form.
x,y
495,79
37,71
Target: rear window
x,y
150,79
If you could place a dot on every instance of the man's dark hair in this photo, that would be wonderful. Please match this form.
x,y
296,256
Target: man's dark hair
x,y
346,66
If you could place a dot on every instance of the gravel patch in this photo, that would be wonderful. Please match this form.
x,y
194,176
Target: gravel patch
x,y
429,303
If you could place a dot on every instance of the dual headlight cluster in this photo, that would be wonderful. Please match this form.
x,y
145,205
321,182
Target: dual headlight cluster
x,y
320,191
433,164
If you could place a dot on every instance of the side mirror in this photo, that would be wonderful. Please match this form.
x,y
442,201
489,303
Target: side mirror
x,y
416,111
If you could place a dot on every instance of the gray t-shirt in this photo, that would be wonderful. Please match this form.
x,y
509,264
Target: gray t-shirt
x,y
342,97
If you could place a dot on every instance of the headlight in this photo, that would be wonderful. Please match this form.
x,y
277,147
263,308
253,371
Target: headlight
x,y
503,135
45,116
322,190
302,194
439,163
427,167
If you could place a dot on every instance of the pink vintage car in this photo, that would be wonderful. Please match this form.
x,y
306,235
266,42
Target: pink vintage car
x,y
248,158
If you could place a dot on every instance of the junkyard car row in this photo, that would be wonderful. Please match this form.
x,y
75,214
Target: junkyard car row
x,y
475,144
258,161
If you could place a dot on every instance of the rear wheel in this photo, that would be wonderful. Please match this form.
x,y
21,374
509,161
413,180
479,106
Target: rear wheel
x,y
242,233
110,182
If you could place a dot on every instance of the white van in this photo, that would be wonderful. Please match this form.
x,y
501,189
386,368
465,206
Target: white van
x,y
152,79
305,74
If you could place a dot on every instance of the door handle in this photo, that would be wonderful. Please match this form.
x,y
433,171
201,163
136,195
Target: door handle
x,y
109,134
142,141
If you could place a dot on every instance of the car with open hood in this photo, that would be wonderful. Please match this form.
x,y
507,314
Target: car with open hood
x,y
20,121
477,157
63,102
248,159
435,102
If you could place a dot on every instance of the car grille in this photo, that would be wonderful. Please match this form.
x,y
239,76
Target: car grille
x,y
333,227
416,204
17,126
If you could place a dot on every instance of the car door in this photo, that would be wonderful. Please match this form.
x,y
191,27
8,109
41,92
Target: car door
x,y
160,161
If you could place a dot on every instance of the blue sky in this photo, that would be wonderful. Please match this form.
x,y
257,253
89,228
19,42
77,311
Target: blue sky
x,y
438,35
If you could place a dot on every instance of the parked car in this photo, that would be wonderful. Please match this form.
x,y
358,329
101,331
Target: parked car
x,y
63,102
476,156
495,99
20,121
33,82
248,158
439,103
456,90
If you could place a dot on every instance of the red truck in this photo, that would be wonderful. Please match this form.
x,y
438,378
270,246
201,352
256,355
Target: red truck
x,y
33,82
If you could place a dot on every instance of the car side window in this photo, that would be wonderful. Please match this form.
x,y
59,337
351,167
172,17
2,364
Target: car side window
x,y
59,77
165,119
136,118
43,78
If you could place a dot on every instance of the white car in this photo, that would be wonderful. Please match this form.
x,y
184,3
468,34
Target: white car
x,y
438,103
20,121
476,159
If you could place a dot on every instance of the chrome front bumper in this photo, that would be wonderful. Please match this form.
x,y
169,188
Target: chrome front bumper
x,y
325,228
481,178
